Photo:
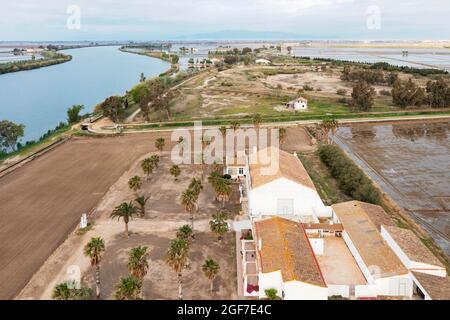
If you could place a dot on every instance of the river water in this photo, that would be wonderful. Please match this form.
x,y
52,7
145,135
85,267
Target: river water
x,y
411,163
40,98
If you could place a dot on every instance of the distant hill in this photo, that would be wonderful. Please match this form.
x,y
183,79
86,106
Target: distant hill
x,y
242,35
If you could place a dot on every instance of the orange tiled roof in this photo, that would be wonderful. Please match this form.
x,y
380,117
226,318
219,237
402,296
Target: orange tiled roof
x,y
286,248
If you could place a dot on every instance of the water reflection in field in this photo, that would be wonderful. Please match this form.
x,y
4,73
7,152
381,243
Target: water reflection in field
x,y
411,162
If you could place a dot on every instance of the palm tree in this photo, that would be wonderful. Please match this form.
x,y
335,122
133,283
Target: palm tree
x,y
175,171
176,258
257,120
126,211
223,131
328,125
185,233
128,288
219,224
68,291
155,160
137,262
147,166
235,125
189,202
282,135
223,190
142,201
211,269
160,143
94,250
135,183
196,186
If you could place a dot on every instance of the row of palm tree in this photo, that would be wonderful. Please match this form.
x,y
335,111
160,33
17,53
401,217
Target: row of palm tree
x,y
130,287
149,164
190,198
177,257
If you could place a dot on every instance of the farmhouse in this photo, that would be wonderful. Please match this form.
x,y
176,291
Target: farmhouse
x,y
385,273
286,261
279,185
237,166
263,62
299,104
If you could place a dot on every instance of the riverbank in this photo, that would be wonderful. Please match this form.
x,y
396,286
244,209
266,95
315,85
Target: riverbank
x,y
50,58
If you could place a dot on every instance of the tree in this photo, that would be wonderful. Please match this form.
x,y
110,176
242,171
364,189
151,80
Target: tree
x,y
329,125
135,183
407,93
211,269
94,250
147,166
175,171
112,108
438,93
196,186
142,78
68,291
219,224
246,50
175,59
362,96
125,211
223,131
189,202
185,232
138,262
128,288
155,160
160,143
231,60
73,113
257,120
177,258
10,133
235,125
142,201
272,294
223,190
282,135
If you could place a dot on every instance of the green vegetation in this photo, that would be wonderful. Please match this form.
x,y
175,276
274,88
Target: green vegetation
x,y
73,113
125,211
50,58
128,288
69,291
350,177
10,133
362,96
219,224
94,251
211,269
272,294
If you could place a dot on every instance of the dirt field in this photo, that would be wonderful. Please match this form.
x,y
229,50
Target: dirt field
x,y
164,215
42,202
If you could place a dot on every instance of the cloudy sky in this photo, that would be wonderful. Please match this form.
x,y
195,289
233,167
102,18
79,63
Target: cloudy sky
x,y
166,19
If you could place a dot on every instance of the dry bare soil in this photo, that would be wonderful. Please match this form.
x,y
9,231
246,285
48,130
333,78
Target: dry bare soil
x,y
41,203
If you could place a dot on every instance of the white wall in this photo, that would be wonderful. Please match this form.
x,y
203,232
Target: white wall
x,y
317,245
272,280
295,290
264,200
339,290
407,262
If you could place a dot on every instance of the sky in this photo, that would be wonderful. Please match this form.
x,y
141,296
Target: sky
x,y
75,20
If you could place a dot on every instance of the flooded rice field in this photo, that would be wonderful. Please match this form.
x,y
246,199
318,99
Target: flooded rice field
x,y
411,162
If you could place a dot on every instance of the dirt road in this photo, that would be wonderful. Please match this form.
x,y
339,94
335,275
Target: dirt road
x,y
42,202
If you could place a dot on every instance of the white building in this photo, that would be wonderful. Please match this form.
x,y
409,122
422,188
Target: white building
x,y
299,104
383,270
279,185
286,261
237,167
412,252
263,62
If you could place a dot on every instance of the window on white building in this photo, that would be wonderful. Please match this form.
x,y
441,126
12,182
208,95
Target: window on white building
x,y
241,171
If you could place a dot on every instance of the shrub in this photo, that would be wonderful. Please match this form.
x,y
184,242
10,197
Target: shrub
x,y
350,177
341,92
307,87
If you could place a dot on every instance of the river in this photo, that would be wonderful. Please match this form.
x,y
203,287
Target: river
x,y
40,98
411,163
